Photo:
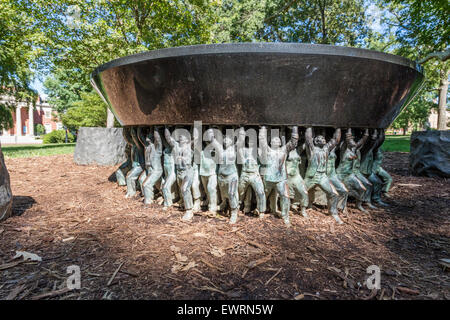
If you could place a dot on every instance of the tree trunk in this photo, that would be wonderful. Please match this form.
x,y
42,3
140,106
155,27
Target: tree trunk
x,y
109,119
442,106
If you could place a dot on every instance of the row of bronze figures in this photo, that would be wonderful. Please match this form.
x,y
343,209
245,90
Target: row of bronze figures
x,y
162,162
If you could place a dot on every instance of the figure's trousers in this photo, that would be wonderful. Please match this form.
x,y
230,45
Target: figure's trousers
x,y
121,173
149,184
228,186
253,180
367,184
167,189
132,176
184,181
341,189
386,178
322,181
297,189
355,187
210,185
282,189
196,194
377,186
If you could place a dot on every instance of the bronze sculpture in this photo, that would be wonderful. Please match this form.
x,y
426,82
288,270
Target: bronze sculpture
x,y
250,176
318,149
184,171
274,171
153,155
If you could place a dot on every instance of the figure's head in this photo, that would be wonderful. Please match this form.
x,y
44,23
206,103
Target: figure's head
x,y
276,142
209,134
183,139
320,141
227,141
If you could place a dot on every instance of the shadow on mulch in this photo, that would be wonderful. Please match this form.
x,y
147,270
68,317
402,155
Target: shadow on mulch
x,y
22,204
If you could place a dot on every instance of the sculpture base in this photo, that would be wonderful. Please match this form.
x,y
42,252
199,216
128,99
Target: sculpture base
x,y
102,146
5,190
430,154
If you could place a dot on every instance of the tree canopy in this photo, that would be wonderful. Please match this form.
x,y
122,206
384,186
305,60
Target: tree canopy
x,y
65,40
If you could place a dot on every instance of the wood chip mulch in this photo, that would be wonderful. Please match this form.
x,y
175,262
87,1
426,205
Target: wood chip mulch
x,y
72,215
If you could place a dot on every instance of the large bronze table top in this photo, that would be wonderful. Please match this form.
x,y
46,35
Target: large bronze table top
x,y
259,83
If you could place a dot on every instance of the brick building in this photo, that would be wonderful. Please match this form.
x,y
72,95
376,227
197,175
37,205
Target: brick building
x,y
25,120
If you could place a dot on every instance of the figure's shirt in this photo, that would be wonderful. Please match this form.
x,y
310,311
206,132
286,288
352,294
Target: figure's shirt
x,y
183,156
228,166
346,165
357,162
292,163
275,169
377,160
169,161
249,163
135,156
318,159
331,169
153,157
207,165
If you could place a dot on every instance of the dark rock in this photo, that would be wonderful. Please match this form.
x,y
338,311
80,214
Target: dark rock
x,y
102,146
5,190
430,153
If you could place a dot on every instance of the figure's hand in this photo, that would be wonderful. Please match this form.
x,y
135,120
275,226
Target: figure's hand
x,y
366,132
374,134
295,132
242,131
209,134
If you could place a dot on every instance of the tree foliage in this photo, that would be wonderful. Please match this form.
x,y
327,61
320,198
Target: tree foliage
x,y
90,111
421,27
17,54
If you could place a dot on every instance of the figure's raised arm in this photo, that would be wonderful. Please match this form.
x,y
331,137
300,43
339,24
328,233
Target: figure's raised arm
x,y
135,139
218,147
158,141
241,138
309,141
380,139
292,144
171,141
127,135
363,140
335,140
142,136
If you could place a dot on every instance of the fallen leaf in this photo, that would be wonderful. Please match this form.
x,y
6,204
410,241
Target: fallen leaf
x,y
408,290
27,256
200,235
180,257
217,252
174,248
256,263
189,266
299,296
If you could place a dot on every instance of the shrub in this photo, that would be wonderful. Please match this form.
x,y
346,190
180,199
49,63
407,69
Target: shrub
x,y
58,136
40,129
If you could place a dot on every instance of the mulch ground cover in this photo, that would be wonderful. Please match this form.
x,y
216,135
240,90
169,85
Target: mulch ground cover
x,y
73,215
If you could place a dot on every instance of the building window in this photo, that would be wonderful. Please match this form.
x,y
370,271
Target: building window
x,y
48,128
48,114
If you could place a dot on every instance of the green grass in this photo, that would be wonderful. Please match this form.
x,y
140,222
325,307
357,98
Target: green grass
x,y
396,143
27,151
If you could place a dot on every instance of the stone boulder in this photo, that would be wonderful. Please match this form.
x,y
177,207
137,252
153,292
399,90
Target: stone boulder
x,y
101,146
5,190
430,153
